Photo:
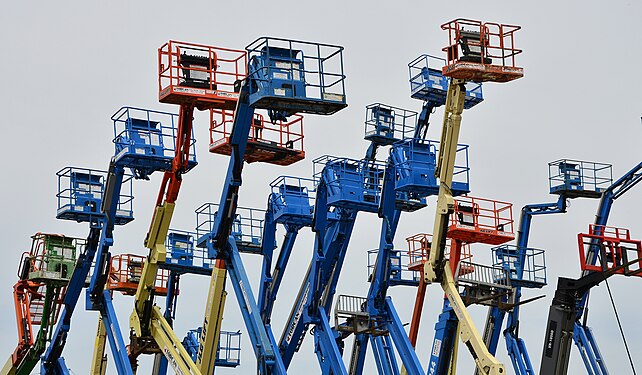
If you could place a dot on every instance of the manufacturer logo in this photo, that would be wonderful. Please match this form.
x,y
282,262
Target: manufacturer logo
x,y
297,316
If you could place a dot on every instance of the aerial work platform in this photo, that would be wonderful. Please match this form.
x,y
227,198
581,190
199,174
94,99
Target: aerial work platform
x,y
579,179
481,220
428,83
616,251
296,77
278,141
350,183
145,141
481,52
247,227
205,75
80,195
125,271
415,161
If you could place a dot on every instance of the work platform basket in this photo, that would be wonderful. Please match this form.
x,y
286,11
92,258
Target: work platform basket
x,y
428,83
80,195
386,124
399,273
279,142
228,352
576,178
419,252
205,76
415,161
610,249
125,272
481,220
292,200
183,256
52,258
145,141
481,52
296,77
526,267
350,183
247,227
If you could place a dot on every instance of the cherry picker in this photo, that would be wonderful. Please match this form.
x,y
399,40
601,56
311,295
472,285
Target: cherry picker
x,y
604,251
569,179
284,77
144,141
44,273
481,52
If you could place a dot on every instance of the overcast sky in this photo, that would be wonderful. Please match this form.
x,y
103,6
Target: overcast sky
x,y
67,66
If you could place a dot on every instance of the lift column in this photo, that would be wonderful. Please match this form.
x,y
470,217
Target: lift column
x,y
472,47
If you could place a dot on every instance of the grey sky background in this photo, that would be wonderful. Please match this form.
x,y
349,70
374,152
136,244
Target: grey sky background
x,y
67,66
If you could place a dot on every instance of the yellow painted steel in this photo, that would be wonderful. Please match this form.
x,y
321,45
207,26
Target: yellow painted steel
x,y
170,345
8,368
99,359
486,362
155,242
437,269
213,319
453,356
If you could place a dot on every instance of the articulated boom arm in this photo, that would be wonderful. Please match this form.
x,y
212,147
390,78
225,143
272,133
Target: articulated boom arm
x,y
437,269
143,314
444,170
492,332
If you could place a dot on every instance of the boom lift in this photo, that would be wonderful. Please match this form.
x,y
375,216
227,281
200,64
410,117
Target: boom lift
x,y
184,257
615,253
428,83
288,205
103,199
474,220
144,141
408,177
285,77
44,273
344,188
195,77
476,52
569,179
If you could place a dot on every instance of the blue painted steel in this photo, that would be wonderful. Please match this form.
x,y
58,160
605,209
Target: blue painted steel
x,y
326,348
415,161
98,243
246,228
81,193
271,280
427,83
221,241
350,183
402,343
228,352
379,306
444,340
114,336
582,335
290,200
589,351
399,273
386,124
145,141
263,349
318,288
523,277
183,256
294,76
575,178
